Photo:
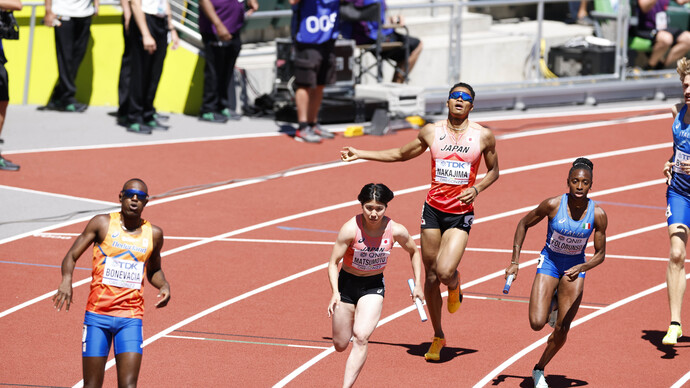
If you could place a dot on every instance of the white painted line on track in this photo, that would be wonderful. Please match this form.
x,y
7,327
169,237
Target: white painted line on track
x,y
278,134
219,306
680,383
168,199
512,299
307,242
574,127
40,298
541,115
411,308
487,379
62,196
143,144
220,237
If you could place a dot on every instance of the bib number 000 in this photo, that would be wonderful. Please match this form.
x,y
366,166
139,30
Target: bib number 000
x,y
322,23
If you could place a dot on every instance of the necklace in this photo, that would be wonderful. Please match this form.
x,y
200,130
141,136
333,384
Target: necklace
x,y
455,133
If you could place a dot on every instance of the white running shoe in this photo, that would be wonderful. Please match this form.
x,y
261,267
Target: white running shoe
x,y
539,379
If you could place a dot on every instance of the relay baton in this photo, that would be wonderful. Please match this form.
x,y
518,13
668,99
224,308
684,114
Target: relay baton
x,y
417,302
509,281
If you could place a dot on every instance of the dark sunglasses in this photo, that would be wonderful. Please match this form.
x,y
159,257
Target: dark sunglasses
x,y
460,95
130,193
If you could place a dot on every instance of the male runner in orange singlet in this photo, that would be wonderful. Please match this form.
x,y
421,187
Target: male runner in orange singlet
x,y
125,247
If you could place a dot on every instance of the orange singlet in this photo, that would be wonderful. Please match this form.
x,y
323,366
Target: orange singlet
x,y
367,253
454,165
119,265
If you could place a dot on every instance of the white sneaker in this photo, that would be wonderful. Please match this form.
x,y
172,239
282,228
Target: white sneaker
x,y
539,379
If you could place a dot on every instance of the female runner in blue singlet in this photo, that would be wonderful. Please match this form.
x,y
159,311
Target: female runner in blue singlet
x,y
572,219
677,171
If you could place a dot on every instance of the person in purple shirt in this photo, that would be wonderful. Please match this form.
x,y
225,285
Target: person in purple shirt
x,y
653,25
219,24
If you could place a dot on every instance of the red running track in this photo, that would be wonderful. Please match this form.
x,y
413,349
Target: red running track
x,y
247,264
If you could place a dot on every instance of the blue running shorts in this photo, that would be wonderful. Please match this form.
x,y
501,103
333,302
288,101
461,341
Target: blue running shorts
x,y
555,265
677,209
102,330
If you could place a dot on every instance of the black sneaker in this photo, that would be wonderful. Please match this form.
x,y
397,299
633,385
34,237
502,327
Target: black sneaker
x,y
7,165
154,124
160,117
75,107
139,128
230,115
213,117
322,132
307,135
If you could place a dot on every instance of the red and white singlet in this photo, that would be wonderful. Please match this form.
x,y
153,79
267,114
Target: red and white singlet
x,y
455,159
367,253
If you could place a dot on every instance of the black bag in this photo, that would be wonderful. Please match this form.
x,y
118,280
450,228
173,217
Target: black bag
x,y
8,26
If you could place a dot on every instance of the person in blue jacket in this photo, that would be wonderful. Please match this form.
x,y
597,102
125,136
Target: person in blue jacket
x,y
315,27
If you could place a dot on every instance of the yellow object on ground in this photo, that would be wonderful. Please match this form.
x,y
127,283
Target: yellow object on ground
x,y
354,130
415,120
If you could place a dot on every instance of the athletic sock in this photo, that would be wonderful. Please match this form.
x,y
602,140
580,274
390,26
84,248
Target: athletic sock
x,y
303,125
675,323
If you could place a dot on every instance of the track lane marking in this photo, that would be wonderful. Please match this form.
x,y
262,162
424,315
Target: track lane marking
x,y
489,377
220,237
465,286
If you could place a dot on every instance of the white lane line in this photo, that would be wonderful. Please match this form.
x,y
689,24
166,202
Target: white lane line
x,y
40,298
61,196
276,134
509,299
245,342
411,308
487,379
220,237
574,127
143,144
680,383
217,307
406,191
168,199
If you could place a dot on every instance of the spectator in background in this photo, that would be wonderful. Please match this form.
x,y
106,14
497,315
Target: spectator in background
x,y
666,40
6,5
577,13
125,66
71,20
220,22
366,33
315,27
149,41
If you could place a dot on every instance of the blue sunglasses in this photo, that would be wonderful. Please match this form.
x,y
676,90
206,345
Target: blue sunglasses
x,y
130,193
460,95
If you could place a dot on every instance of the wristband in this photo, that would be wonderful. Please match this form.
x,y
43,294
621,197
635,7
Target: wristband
x,y
475,190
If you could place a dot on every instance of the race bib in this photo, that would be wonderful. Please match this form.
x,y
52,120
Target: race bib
x,y
123,273
566,245
369,260
680,157
452,172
